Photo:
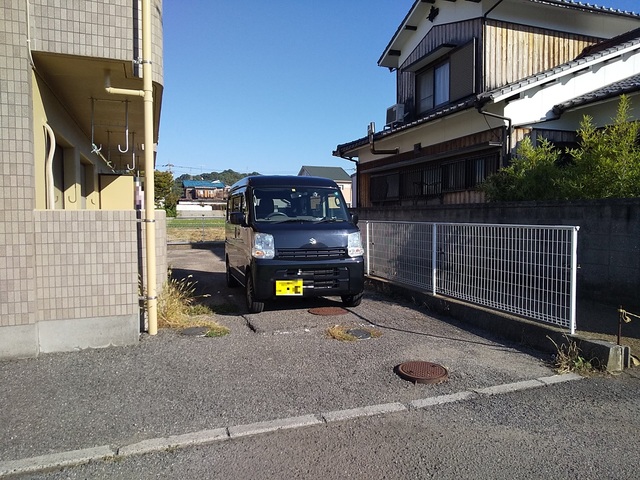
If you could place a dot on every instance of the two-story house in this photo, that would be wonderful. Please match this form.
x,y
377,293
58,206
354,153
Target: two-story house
x,y
474,77
71,133
202,197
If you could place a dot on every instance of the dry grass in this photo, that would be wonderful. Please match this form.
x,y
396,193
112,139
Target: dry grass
x,y
341,333
177,308
194,230
568,359
195,235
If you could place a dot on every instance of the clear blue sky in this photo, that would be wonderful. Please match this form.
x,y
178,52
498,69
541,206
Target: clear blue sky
x,y
269,86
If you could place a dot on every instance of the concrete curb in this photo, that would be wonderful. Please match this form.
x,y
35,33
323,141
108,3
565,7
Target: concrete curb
x,y
56,460
174,441
160,444
341,415
273,425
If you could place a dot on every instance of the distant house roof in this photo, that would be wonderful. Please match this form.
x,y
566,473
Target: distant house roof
x,y
202,184
336,174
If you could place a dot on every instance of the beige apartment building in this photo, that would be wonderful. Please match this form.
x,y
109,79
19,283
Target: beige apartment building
x,y
71,246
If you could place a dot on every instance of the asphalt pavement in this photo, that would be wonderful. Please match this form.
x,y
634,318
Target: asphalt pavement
x,y
276,370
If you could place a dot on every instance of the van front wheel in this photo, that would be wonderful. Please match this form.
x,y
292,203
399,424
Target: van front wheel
x,y
352,300
252,305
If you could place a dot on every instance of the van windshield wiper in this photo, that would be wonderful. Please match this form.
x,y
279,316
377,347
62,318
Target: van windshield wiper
x,y
292,220
329,219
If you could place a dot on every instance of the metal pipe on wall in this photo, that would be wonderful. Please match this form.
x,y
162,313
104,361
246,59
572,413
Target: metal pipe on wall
x,y
150,214
51,199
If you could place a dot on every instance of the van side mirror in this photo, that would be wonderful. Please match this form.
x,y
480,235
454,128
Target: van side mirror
x,y
354,218
237,218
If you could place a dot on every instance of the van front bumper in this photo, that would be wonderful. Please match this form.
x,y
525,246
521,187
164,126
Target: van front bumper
x,y
321,278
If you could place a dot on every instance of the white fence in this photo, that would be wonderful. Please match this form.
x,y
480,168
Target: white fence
x,y
521,269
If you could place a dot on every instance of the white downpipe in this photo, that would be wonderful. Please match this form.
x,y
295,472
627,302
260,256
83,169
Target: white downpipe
x,y
48,166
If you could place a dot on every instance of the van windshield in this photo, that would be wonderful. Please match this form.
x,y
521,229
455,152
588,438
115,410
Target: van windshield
x,y
294,204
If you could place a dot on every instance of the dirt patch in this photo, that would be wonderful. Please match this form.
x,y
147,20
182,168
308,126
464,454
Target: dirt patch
x,y
194,235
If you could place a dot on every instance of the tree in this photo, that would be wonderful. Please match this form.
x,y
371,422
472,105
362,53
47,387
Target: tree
x,y
605,164
163,195
533,175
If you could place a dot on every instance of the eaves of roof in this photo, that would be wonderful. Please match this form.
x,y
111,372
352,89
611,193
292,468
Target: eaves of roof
x,y
464,104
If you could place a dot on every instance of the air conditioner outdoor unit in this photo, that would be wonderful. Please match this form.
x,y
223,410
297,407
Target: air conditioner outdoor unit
x,y
395,114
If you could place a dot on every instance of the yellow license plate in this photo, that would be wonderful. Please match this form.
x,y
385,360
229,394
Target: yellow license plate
x,y
289,287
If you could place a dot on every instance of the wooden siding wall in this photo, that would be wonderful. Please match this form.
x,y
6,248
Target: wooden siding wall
x,y
513,52
454,33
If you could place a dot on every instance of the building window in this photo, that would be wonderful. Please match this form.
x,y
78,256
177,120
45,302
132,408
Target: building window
x,y
432,87
385,187
430,179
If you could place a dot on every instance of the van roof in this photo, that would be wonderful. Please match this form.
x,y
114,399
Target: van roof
x,y
283,180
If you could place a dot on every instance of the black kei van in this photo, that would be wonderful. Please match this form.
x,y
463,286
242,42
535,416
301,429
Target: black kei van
x,y
292,236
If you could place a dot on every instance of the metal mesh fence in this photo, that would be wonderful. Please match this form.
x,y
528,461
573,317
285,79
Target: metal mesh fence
x,y
525,270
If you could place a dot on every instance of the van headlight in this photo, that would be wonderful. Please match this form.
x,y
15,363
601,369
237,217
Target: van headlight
x,y
354,245
263,246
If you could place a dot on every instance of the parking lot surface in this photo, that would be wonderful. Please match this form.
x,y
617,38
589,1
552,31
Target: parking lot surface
x,y
274,365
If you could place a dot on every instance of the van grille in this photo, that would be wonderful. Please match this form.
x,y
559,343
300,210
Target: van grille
x,y
317,278
311,254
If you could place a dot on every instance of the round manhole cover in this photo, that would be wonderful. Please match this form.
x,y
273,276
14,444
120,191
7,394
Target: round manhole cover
x,y
422,372
328,311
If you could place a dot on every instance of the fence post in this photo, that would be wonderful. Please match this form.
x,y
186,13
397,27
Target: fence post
x,y
434,257
368,242
574,275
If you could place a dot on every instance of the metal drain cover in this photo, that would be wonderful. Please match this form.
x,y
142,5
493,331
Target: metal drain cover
x,y
359,333
328,311
422,372
195,331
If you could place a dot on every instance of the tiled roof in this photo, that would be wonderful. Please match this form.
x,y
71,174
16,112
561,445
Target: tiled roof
x,y
586,6
628,85
447,110
202,184
334,173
